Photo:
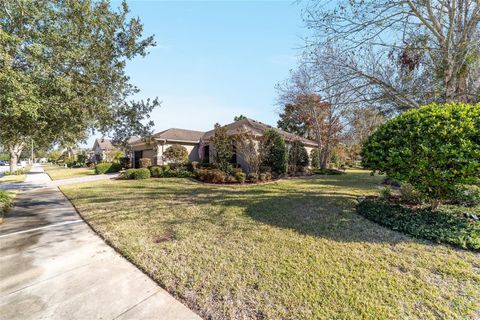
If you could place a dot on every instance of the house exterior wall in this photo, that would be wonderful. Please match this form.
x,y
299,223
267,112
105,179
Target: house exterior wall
x,y
155,152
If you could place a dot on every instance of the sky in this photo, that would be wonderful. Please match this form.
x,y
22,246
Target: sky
x,y
215,60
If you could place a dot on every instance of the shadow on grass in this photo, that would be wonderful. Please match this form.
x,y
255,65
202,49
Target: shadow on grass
x,y
321,207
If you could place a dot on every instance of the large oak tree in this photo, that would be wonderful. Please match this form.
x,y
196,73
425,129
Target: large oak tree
x,y
62,72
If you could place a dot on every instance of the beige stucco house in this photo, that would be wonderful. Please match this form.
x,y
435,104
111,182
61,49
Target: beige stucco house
x,y
100,149
199,145
154,147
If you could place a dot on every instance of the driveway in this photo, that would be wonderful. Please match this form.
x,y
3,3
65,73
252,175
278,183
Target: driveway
x,y
53,266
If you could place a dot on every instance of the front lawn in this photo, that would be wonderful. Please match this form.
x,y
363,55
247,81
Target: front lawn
x,y
293,249
57,173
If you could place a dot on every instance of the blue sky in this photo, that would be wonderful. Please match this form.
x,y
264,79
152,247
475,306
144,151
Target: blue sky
x,y
215,60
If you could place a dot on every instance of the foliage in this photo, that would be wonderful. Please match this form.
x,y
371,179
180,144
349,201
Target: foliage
x,y
145,162
107,167
331,172
156,171
54,156
297,157
136,174
293,120
114,155
385,193
210,176
273,151
443,226
246,147
142,173
6,199
409,194
315,158
433,148
176,153
82,158
51,93
223,147
240,117
467,195
252,177
240,177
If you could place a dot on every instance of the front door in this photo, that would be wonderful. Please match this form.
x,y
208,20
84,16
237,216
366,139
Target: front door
x,y
137,156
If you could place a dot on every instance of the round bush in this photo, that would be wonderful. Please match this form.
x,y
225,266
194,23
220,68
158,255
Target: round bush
x,y
252,177
156,171
176,153
240,177
434,148
139,174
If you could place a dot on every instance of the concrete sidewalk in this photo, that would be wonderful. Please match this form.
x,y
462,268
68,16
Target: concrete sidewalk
x,y
53,266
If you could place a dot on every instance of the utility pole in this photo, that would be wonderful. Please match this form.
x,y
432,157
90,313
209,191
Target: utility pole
x,y
33,159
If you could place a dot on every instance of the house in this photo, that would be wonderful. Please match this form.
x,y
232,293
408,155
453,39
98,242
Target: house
x,y
199,145
255,129
154,147
100,150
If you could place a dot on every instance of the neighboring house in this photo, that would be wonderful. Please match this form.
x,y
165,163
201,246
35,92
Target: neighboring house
x,y
199,145
100,150
154,147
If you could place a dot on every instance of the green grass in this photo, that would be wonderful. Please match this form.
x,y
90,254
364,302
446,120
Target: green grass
x,y
293,249
57,173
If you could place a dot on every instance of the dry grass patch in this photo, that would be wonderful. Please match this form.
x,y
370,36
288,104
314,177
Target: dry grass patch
x,y
294,249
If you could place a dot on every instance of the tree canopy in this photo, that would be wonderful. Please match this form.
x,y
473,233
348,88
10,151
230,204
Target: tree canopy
x,y
62,72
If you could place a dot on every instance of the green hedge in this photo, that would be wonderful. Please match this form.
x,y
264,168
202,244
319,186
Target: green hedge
x,y
136,174
442,226
328,172
107,167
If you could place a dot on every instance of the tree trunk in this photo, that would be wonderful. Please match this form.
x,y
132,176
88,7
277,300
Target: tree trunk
x,y
434,204
14,151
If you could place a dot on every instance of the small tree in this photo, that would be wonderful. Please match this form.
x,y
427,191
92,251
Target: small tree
x,y
114,156
315,158
273,151
433,148
247,149
297,157
176,153
223,147
54,156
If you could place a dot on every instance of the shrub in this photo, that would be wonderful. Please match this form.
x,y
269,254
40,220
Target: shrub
x,y
6,199
297,157
262,177
216,176
200,174
385,193
139,174
107,167
467,195
222,145
268,176
127,174
327,171
145,162
156,171
273,151
252,177
409,193
176,154
434,148
315,158
240,177
443,226
183,174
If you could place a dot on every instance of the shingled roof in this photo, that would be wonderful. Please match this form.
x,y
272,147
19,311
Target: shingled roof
x,y
175,134
104,144
257,128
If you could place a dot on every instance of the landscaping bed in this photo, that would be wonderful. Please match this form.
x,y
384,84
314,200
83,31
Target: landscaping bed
x,y
294,249
6,200
454,225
